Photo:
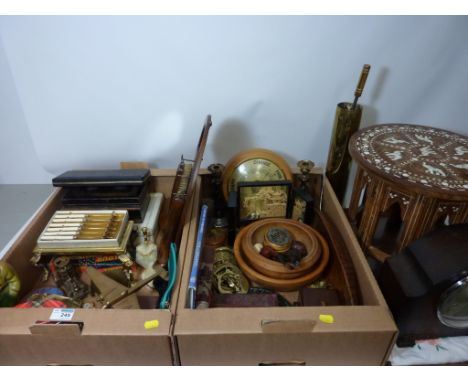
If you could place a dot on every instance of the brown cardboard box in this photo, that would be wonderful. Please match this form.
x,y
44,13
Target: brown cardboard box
x,y
360,335
108,337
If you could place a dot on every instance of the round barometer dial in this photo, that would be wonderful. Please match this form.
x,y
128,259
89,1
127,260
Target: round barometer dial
x,y
252,166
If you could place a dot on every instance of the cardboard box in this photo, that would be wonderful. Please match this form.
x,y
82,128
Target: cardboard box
x,y
360,335
108,337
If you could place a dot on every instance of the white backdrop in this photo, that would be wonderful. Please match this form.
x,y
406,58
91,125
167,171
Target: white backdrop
x,y
89,92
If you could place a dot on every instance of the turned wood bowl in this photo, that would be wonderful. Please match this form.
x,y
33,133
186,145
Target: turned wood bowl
x,y
255,233
282,285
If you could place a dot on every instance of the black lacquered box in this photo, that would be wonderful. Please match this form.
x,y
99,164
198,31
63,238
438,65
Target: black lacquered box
x,y
108,189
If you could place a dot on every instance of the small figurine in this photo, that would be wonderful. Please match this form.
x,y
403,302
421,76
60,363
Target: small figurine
x,y
146,254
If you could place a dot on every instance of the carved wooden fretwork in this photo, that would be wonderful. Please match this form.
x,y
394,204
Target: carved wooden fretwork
x,y
392,197
455,212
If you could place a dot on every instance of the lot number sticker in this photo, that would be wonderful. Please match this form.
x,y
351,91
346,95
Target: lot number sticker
x,y
62,314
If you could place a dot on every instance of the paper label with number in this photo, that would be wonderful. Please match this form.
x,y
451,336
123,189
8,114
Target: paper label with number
x,y
62,314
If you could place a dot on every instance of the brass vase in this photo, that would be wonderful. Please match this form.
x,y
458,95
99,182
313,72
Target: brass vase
x,y
347,121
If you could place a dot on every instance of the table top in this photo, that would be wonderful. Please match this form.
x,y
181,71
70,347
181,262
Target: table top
x,y
432,160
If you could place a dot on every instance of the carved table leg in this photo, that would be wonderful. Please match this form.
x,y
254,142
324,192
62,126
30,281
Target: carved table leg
x,y
370,216
356,195
417,221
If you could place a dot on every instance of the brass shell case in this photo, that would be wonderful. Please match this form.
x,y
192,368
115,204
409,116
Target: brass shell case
x,y
347,121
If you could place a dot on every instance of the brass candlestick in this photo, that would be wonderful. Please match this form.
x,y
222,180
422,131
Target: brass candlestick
x,y
347,121
303,201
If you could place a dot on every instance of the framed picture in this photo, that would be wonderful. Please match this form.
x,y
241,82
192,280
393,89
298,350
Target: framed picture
x,y
263,199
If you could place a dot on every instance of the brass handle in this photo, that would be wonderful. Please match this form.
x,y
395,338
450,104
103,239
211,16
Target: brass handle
x,y
362,80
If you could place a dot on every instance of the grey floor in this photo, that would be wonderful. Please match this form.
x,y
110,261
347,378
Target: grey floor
x,y
17,204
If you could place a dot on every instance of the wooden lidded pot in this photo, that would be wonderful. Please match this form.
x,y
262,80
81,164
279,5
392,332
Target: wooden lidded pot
x,y
255,233
282,285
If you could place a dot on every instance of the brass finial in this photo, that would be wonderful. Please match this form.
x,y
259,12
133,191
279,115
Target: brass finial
x,y
361,83
305,166
216,169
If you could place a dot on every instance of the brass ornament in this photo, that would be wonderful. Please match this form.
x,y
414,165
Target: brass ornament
x,y
299,208
302,208
347,121
227,277
67,278
216,169
305,167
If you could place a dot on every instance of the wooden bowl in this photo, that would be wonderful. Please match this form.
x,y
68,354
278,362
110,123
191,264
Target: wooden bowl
x,y
255,233
281,285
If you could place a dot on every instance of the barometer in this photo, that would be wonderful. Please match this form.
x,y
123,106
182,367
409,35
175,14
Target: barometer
x,y
254,165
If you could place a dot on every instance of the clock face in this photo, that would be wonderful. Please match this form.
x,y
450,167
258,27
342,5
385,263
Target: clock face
x,y
253,166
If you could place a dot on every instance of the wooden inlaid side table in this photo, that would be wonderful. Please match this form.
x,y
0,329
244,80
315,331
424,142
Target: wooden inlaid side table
x,y
422,169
